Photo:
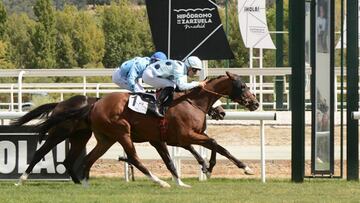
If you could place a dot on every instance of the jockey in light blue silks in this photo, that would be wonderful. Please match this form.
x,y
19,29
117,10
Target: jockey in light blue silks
x,y
169,74
128,74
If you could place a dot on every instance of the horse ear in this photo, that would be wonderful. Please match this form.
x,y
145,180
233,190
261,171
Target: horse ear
x,y
230,75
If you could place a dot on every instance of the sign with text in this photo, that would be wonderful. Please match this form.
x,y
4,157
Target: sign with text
x,y
182,28
17,148
253,24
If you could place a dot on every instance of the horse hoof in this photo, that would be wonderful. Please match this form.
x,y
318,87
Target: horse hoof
x,y
182,184
164,184
248,171
185,185
208,175
85,184
18,184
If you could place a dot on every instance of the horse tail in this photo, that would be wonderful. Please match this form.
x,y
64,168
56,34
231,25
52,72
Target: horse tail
x,y
39,112
74,114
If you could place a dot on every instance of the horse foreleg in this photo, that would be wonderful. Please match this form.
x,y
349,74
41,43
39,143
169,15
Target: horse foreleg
x,y
209,143
133,158
101,147
198,157
53,139
78,142
212,163
164,153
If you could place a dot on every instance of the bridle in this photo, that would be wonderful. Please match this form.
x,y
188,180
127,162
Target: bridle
x,y
215,93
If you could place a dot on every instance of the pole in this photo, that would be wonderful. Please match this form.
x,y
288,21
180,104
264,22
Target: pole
x,y
297,57
352,96
279,80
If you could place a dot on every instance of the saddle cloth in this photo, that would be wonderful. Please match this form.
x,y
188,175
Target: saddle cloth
x,y
144,103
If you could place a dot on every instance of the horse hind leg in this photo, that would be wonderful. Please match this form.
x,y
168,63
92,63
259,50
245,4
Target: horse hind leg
x,y
78,142
133,158
54,138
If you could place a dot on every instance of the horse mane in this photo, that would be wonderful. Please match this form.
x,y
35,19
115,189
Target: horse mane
x,y
212,79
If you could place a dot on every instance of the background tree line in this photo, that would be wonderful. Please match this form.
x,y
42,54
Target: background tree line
x,y
93,33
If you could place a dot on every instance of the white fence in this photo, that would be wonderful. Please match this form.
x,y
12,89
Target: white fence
x,y
16,90
260,116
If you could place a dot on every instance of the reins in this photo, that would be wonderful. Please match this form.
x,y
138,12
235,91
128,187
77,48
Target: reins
x,y
215,93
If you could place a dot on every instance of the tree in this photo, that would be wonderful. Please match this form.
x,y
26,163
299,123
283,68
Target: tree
x,y
19,30
3,17
88,40
65,52
44,37
127,33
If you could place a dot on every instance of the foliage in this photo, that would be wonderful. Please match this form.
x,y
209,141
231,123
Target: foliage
x,y
18,33
3,17
127,33
65,53
44,37
4,60
88,40
103,36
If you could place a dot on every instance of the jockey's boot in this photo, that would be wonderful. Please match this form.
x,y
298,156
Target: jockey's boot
x,y
164,100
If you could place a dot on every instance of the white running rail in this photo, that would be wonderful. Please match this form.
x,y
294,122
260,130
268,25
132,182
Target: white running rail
x,y
260,116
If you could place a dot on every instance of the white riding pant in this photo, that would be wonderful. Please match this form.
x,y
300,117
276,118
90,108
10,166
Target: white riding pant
x,y
122,82
149,77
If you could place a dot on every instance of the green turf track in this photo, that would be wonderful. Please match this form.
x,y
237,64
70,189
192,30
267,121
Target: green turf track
x,y
214,190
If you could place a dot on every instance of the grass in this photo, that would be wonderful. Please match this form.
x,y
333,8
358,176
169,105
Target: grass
x,y
214,190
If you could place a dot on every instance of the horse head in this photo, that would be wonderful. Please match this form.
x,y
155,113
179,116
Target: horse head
x,y
237,90
241,93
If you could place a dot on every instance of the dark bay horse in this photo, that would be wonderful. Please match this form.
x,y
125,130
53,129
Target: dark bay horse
x,y
59,127
112,122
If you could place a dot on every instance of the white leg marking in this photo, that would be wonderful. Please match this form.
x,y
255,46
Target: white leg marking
x,y
22,179
85,183
158,181
180,183
248,171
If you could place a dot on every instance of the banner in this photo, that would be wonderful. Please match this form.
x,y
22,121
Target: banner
x,y
182,28
253,24
17,148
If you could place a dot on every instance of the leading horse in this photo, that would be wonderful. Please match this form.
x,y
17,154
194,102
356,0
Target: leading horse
x,y
185,121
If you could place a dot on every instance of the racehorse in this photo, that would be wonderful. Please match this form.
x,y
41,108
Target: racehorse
x,y
59,128
112,122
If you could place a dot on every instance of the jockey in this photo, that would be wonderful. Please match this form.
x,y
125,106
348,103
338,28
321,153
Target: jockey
x,y
169,74
128,74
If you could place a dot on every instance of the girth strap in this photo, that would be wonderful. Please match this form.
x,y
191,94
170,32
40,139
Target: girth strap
x,y
163,123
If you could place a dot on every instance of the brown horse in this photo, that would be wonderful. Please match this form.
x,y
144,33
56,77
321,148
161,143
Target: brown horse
x,y
185,120
59,127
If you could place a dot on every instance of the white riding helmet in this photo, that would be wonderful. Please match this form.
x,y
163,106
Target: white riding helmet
x,y
193,62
